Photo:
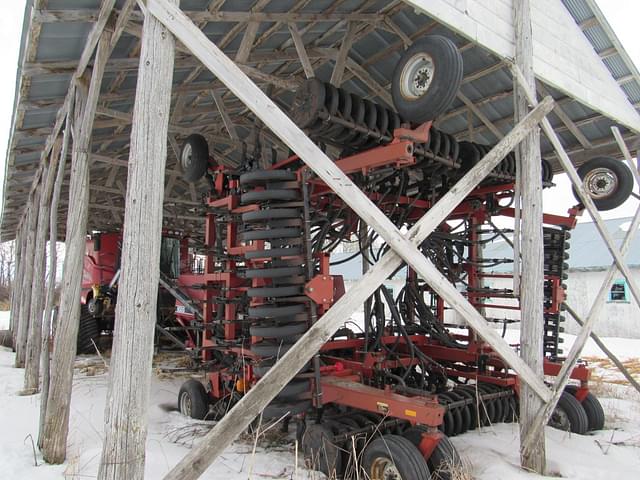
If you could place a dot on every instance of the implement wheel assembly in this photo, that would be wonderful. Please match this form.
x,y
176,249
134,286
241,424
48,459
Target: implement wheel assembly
x,y
88,332
569,415
394,457
193,400
194,158
592,407
608,181
427,78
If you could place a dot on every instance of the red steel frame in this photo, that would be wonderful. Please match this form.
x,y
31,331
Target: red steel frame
x,y
343,380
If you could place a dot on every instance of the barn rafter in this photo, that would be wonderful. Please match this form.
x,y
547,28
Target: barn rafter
x,y
272,59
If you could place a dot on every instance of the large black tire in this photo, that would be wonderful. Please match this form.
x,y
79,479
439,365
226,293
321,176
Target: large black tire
x,y
88,332
193,400
569,415
608,181
592,407
194,158
426,79
394,455
445,462
320,451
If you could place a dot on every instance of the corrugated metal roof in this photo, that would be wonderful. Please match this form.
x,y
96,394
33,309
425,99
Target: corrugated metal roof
x,y
46,71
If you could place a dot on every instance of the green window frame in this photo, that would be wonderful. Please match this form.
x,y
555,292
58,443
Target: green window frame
x,y
619,292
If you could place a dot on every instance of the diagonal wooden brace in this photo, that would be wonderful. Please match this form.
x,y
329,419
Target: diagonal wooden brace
x,y
259,396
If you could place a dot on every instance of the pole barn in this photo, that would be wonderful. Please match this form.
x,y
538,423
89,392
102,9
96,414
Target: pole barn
x,y
255,138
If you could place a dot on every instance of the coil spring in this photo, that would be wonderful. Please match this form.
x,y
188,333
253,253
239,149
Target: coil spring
x,y
278,310
332,115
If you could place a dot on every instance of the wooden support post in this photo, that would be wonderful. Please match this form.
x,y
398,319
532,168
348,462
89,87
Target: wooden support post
x,y
531,244
123,452
34,341
247,42
266,110
228,124
56,426
53,266
302,52
478,113
27,277
239,417
343,53
16,283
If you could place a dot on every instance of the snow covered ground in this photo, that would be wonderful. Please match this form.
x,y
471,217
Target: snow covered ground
x,y
491,453
4,320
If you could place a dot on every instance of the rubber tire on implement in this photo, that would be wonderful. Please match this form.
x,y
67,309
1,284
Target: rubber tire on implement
x,y
592,407
199,400
445,462
270,214
447,77
406,458
321,451
198,163
259,177
270,234
623,175
266,195
88,332
278,331
576,415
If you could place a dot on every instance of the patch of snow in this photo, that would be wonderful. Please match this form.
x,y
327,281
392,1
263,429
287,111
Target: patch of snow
x,y
491,453
4,319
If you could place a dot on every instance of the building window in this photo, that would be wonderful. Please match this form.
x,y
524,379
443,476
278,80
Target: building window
x,y
618,292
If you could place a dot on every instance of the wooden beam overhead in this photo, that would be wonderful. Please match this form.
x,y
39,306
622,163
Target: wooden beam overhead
x,y
197,16
343,54
296,36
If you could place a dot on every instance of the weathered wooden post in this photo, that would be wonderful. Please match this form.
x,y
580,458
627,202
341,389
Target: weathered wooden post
x,y
56,426
53,266
34,341
16,283
123,452
27,276
532,277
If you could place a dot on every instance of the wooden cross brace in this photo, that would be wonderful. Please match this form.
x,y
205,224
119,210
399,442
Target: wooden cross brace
x,y
403,248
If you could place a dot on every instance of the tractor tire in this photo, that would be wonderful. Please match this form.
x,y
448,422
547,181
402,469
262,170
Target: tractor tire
x,y
592,407
569,415
393,456
88,332
427,78
608,181
445,462
193,400
194,158
321,451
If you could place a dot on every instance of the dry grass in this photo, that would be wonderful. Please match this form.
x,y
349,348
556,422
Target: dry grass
x,y
606,380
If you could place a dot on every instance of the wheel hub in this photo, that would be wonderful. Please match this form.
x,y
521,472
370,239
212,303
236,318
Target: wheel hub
x,y
601,182
417,76
185,405
384,469
560,420
187,153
